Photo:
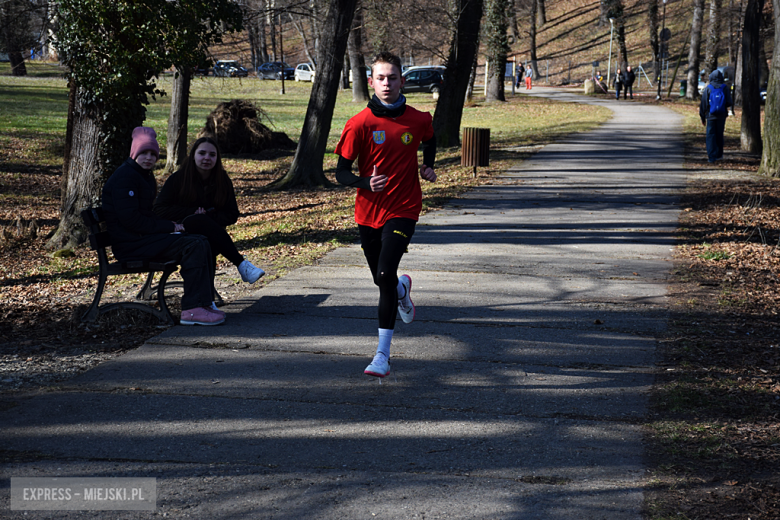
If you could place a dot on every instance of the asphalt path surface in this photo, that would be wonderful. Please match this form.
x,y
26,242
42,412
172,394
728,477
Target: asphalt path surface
x,y
519,391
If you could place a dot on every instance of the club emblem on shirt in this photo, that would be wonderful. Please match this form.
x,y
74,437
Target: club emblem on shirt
x,y
406,138
379,136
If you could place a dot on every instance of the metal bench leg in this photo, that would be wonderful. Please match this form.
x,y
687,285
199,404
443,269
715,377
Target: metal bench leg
x,y
161,294
93,313
147,292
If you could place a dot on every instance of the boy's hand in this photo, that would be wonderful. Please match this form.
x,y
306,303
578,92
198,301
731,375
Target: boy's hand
x,y
427,173
378,182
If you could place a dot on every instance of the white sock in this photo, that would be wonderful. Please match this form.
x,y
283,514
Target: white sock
x,y
400,290
385,337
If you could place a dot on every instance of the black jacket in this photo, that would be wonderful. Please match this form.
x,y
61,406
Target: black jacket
x,y
136,231
628,78
167,203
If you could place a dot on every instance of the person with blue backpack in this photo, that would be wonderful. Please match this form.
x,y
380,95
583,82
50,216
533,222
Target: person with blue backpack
x,y
713,111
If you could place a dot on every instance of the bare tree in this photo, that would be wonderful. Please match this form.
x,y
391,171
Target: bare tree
x,y
652,23
306,168
695,49
532,37
356,59
751,109
770,160
541,13
514,31
177,121
460,66
496,47
712,45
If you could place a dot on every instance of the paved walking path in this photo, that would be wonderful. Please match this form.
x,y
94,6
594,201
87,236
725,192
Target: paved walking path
x,y
519,392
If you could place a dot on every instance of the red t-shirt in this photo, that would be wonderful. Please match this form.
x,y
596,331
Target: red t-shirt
x,y
391,145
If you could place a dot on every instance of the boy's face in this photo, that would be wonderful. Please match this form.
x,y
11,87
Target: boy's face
x,y
386,80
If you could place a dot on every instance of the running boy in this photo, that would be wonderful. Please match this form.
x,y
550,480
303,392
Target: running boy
x,y
384,138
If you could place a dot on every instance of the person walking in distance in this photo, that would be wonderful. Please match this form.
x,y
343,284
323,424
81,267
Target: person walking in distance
x,y
384,139
628,82
713,111
529,74
618,83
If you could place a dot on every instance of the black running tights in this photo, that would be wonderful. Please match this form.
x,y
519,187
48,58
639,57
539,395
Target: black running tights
x,y
383,249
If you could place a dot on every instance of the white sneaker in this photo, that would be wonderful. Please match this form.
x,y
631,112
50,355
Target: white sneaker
x,y
405,304
249,273
379,367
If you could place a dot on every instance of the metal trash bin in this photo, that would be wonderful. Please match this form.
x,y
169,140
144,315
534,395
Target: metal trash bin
x,y
475,150
683,87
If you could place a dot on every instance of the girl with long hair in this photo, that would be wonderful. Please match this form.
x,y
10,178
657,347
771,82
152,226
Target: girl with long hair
x,y
200,196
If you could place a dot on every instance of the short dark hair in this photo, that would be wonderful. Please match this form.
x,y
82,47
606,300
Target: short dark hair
x,y
386,57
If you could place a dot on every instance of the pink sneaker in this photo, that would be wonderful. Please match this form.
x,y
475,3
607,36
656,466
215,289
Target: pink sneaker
x,y
201,316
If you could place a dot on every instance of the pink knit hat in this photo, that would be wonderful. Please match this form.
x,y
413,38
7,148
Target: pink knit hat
x,y
144,138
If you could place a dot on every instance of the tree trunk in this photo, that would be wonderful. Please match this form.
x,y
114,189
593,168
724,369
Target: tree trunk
x,y
770,160
263,35
177,122
18,67
514,31
345,71
541,13
306,168
738,74
356,59
652,21
460,69
751,107
532,35
270,22
733,28
695,49
496,48
621,38
762,58
712,47
81,187
472,77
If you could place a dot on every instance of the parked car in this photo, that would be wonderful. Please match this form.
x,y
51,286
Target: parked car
x,y
423,79
274,70
229,68
304,72
202,70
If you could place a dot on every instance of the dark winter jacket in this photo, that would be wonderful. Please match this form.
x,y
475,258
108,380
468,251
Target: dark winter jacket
x,y
628,78
716,81
136,232
168,205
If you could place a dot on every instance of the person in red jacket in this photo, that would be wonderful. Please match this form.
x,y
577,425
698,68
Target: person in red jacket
x,y
384,139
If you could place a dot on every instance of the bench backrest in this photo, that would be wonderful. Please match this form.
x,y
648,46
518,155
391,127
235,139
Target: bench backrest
x,y
99,240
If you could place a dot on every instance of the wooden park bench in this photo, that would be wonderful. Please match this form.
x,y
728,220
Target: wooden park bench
x,y
99,240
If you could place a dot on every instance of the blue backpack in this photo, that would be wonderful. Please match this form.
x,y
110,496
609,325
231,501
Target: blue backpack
x,y
717,99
